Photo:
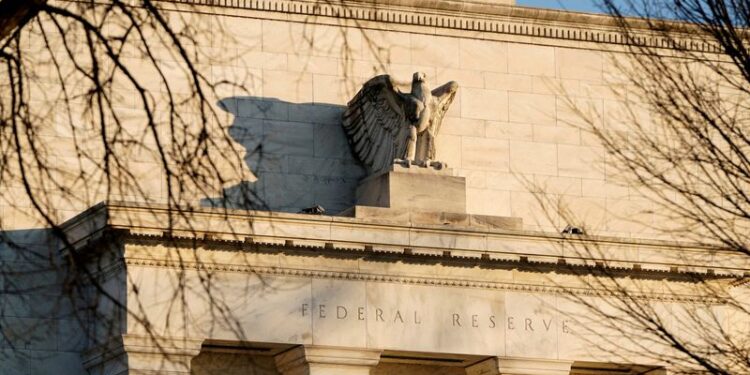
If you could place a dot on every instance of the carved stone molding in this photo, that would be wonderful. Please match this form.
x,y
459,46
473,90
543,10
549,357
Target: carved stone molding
x,y
414,280
134,354
120,235
455,254
471,16
316,360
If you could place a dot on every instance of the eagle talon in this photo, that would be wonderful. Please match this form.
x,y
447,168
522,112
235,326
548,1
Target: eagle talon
x,y
406,163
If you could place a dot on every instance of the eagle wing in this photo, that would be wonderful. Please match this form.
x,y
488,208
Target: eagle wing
x,y
443,96
376,124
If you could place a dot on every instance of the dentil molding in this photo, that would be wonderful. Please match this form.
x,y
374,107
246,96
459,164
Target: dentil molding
x,y
479,17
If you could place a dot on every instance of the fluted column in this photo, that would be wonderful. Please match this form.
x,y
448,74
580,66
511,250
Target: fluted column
x,y
316,360
510,366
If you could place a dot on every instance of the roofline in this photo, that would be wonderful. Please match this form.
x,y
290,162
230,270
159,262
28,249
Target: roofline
x,y
472,19
347,233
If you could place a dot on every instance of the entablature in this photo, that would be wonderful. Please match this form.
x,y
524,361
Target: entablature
x,y
474,244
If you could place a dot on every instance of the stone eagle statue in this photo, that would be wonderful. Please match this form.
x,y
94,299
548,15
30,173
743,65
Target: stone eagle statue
x,y
384,125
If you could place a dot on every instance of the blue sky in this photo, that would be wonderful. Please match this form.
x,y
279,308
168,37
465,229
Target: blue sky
x,y
575,5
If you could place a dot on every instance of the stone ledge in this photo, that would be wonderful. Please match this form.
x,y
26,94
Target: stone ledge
x,y
377,252
415,217
492,241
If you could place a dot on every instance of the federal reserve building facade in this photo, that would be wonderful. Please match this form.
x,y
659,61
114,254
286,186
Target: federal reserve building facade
x,y
420,193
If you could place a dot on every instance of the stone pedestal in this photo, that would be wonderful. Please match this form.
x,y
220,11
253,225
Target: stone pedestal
x,y
419,195
510,366
414,188
314,360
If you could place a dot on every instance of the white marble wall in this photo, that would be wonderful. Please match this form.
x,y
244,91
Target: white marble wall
x,y
509,125
509,129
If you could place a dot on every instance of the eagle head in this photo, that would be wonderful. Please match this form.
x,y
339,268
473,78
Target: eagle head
x,y
419,77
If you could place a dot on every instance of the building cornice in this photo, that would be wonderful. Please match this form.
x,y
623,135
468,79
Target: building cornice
x,y
472,16
527,286
240,228
145,238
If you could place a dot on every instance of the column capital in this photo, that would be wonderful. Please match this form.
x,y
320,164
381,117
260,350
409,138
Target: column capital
x,y
135,354
516,366
315,360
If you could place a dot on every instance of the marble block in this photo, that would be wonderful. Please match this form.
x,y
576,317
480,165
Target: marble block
x,y
414,188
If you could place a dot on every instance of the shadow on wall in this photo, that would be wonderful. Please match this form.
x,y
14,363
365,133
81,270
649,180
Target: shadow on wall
x,y
298,152
40,314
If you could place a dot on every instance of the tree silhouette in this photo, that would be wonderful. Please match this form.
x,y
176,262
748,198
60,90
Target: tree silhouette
x,y
682,145
104,101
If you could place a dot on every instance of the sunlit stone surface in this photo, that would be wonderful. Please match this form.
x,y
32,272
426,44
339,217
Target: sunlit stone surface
x,y
456,271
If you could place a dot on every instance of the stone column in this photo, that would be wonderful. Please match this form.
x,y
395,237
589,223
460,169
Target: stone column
x,y
142,355
512,366
316,360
